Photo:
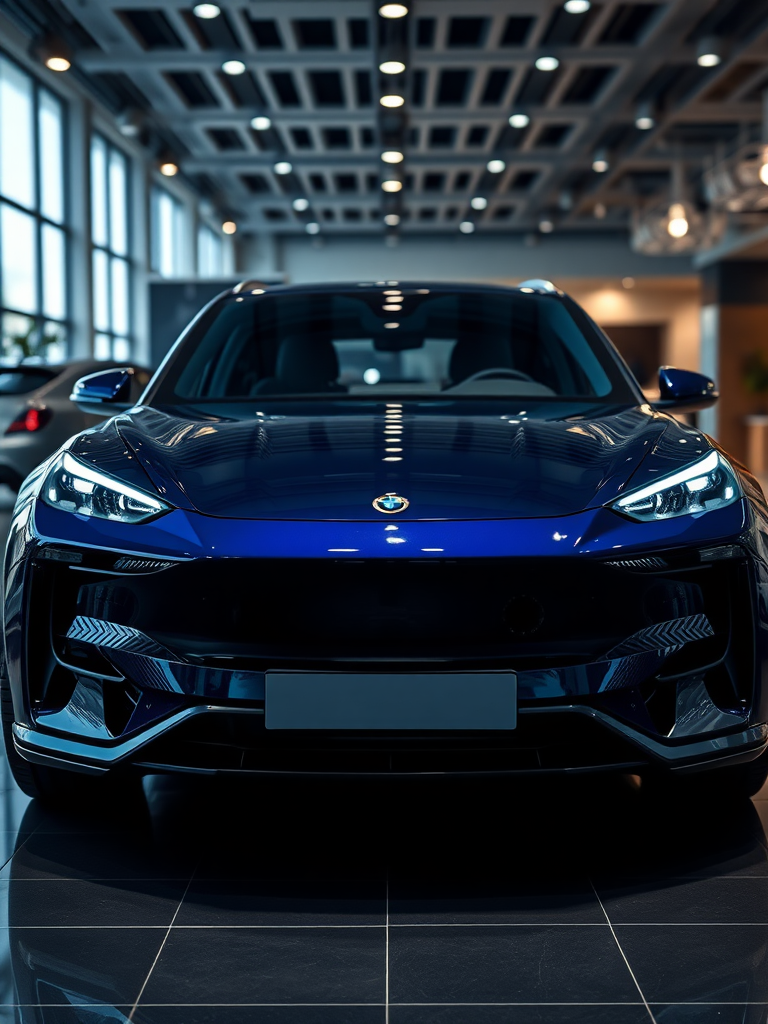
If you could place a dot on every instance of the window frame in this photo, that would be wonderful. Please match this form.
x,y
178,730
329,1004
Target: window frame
x,y
115,338
39,318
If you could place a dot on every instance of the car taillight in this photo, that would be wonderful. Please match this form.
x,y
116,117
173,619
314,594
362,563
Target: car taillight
x,y
29,421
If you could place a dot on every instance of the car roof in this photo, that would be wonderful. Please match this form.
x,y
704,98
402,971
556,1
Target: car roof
x,y
535,285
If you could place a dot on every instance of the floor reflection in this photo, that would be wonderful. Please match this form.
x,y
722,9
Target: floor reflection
x,y
413,903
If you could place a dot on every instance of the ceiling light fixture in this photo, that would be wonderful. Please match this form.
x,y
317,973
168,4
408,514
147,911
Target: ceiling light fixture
x,y
169,168
599,210
392,67
709,52
300,205
233,67
392,220
577,6
283,167
496,166
392,100
261,123
58,63
677,224
206,11
519,121
393,10
466,227
392,156
229,227
763,172
546,63
546,226
391,185
644,119
478,203
600,162
313,228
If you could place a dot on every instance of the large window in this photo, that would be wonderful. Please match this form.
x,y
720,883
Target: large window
x,y
167,234
210,253
33,242
111,265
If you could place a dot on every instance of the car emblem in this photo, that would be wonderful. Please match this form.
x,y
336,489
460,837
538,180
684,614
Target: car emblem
x,y
390,503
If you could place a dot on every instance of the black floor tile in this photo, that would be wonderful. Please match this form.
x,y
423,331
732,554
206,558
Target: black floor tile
x,y
515,964
713,1013
729,900
70,965
260,1015
51,903
95,855
283,901
527,1014
698,963
480,899
266,965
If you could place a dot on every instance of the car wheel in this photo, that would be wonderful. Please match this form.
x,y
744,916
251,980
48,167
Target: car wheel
x,y
57,787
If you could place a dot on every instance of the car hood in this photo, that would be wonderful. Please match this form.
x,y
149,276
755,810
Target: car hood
x,y
324,465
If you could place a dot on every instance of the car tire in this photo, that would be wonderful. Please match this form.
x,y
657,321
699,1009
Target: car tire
x,y
57,787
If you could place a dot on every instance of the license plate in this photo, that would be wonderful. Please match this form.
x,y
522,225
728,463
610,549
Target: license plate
x,y
391,701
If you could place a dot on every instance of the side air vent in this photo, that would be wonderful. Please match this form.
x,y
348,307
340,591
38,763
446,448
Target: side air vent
x,y
141,565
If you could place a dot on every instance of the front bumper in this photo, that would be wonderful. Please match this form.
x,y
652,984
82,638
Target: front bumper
x,y
626,656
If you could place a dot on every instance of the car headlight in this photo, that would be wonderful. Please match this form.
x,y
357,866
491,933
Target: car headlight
x,y
703,486
74,486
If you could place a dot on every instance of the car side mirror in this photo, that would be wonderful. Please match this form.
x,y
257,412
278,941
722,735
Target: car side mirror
x,y
109,391
685,390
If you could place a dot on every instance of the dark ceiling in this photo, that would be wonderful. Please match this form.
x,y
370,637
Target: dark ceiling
x,y
312,68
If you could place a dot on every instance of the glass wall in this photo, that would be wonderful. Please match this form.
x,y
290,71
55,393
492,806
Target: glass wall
x,y
111,264
33,240
167,234
210,253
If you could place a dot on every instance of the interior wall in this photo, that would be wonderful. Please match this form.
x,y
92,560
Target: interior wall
x,y
675,303
742,330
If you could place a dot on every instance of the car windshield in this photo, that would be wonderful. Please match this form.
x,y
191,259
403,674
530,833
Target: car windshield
x,y
393,341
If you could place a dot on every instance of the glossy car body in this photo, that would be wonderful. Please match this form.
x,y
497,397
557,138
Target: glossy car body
x,y
43,391
630,645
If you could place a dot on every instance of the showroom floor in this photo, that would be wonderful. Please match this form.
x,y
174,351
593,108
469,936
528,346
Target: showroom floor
x,y
404,902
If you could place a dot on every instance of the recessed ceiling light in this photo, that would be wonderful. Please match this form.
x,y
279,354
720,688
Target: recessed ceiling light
x,y
391,100
519,120
392,67
392,308
233,67
283,167
206,11
546,63
391,327
393,10
392,185
577,6
496,166
392,156
229,227
300,205
261,123
392,220
312,228
169,168
466,227
478,203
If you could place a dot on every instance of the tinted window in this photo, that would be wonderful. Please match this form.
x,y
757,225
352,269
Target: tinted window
x,y
20,382
393,341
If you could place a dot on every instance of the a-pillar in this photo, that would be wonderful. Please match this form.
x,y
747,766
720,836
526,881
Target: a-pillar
x,y
734,334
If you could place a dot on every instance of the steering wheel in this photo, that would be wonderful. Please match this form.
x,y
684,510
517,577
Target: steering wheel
x,y
499,371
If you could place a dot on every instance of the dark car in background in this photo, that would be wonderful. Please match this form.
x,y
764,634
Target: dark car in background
x,y
388,528
36,415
